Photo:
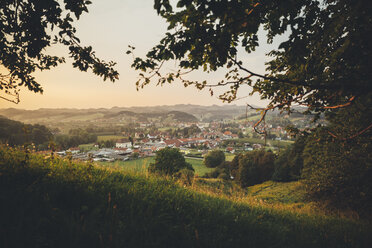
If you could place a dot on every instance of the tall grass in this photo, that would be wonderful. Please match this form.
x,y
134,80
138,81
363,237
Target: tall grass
x,y
52,202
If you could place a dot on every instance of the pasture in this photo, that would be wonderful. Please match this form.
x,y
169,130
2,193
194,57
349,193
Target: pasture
x,y
140,165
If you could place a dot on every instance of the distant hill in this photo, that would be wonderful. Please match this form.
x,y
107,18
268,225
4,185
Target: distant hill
x,y
180,112
203,113
162,116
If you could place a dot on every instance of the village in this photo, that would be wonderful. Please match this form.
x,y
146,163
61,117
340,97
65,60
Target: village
x,y
199,138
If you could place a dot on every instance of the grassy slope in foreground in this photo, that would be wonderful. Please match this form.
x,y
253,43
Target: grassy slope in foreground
x,y
56,203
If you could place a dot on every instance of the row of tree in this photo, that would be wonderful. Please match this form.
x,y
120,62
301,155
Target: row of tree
x,y
15,133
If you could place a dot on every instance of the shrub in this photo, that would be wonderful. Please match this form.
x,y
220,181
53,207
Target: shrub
x,y
214,158
222,171
168,161
185,176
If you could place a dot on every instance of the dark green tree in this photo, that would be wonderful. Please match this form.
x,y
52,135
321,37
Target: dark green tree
x,y
339,170
235,165
169,161
28,27
255,167
223,171
289,163
214,158
131,140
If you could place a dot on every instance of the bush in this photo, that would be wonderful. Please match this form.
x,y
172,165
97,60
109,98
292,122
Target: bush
x,y
255,167
185,176
168,161
222,171
214,158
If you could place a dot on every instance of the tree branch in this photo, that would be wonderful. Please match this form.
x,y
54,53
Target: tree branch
x,y
237,63
352,136
16,101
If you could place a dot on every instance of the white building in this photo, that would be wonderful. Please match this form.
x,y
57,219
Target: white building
x,y
123,143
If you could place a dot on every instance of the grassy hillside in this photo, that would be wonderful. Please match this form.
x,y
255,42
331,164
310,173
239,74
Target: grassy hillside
x,y
50,202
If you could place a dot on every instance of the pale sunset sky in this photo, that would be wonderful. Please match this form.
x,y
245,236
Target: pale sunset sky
x,y
110,26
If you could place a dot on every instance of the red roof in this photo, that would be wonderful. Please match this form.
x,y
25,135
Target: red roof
x,y
174,142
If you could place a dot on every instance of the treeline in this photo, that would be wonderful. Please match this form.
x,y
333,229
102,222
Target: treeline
x,y
15,133
74,138
185,132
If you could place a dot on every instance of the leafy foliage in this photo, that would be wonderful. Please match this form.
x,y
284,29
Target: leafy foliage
x,y
289,163
28,28
214,158
322,62
339,170
222,171
168,161
255,167
77,137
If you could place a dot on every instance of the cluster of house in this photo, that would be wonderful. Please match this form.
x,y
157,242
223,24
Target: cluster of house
x,y
147,146
103,154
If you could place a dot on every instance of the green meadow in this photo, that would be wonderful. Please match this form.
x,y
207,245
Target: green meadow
x,y
141,165
109,137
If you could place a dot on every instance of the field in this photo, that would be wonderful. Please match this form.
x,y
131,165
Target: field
x,y
269,143
229,156
109,137
141,165
51,202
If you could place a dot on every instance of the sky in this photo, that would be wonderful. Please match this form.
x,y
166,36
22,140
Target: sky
x,y
110,26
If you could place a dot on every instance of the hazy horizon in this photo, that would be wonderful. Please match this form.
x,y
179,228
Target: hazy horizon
x,y
137,106
110,26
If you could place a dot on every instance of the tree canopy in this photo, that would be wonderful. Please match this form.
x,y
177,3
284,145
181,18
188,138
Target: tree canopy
x,y
169,161
214,158
322,62
27,27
